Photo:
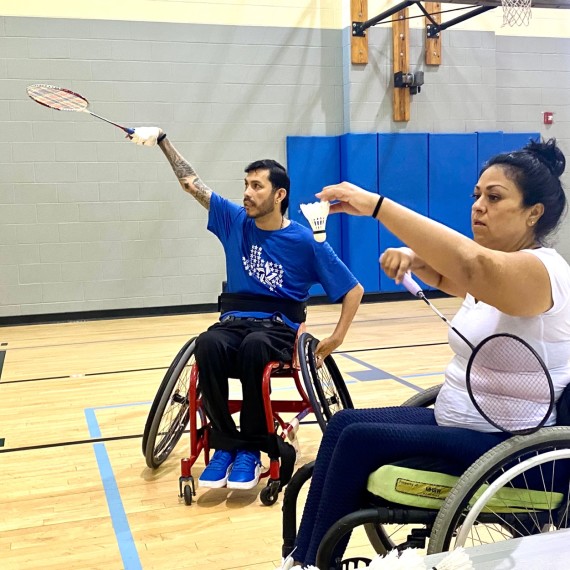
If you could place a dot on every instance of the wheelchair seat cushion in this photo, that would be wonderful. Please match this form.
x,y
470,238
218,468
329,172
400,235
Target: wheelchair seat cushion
x,y
406,484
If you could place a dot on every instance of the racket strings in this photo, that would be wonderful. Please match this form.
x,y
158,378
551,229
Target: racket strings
x,y
509,384
57,98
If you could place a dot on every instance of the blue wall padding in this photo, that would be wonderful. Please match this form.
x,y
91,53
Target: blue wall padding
x,y
488,144
314,162
453,174
403,176
359,165
491,143
433,174
515,141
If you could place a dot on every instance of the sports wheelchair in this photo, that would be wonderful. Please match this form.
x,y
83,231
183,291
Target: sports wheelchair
x,y
518,488
178,402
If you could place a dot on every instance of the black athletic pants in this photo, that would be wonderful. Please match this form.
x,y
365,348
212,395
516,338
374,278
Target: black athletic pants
x,y
239,348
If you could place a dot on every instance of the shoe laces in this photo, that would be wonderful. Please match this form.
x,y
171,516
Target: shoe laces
x,y
220,458
244,460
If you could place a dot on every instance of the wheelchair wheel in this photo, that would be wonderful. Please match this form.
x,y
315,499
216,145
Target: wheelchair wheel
x,y
423,399
533,467
325,386
168,416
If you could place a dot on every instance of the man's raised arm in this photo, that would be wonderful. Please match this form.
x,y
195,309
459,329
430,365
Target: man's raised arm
x,y
184,171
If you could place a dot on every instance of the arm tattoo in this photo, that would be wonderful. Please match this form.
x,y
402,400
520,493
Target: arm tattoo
x,y
202,193
186,174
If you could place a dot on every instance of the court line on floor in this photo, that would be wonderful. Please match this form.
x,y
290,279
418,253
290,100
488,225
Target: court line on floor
x,y
2,356
86,375
89,412
378,373
327,324
73,442
132,370
375,373
119,520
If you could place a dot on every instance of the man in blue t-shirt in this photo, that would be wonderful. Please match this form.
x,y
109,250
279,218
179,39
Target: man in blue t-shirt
x,y
271,262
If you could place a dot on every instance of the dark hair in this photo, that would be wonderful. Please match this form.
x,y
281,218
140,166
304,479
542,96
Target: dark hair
x,y
536,170
277,176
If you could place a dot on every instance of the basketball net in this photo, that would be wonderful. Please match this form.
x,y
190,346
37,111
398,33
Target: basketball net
x,y
516,12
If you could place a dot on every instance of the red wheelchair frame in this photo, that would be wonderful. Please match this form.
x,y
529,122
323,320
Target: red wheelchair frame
x,y
321,388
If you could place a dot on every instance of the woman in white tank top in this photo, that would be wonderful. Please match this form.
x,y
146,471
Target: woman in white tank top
x,y
511,283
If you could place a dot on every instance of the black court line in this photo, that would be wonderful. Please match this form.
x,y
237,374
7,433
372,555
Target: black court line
x,y
65,443
89,342
2,357
86,375
129,371
94,440
188,336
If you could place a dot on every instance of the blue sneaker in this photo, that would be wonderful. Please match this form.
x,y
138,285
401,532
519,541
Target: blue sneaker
x,y
246,469
216,473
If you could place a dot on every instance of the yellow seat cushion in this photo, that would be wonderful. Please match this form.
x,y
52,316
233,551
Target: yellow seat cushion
x,y
428,489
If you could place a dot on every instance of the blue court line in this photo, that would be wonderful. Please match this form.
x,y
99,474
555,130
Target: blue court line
x,y
374,373
127,548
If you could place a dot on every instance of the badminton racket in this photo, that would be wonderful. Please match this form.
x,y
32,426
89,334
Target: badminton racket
x,y
65,100
506,379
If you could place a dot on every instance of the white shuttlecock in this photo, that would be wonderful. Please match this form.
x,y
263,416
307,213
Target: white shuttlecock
x,y
316,214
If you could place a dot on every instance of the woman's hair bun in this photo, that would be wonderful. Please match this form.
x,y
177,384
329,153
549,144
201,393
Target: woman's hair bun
x,y
549,154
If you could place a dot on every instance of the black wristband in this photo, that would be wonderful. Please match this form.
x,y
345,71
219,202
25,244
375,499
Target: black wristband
x,y
161,138
377,209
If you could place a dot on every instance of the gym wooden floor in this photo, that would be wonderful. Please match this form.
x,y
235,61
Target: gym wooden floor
x,y
74,397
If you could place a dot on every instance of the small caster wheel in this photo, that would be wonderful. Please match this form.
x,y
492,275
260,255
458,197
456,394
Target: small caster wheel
x,y
188,495
270,493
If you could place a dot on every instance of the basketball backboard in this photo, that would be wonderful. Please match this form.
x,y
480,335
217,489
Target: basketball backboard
x,y
553,4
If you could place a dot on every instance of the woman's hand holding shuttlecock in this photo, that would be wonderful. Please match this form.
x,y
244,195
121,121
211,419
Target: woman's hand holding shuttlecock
x,y
316,214
351,199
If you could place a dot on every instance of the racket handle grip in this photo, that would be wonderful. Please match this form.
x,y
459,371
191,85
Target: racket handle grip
x,y
409,283
129,131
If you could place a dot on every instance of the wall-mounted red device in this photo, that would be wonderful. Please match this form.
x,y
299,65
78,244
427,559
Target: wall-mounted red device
x,y
548,117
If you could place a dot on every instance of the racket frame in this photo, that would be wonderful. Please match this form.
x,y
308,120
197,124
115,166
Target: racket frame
x,y
86,109
417,291
525,431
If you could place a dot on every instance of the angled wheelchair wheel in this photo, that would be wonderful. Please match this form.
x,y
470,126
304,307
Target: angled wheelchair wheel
x,y
169,416
423,399
325,385
518,488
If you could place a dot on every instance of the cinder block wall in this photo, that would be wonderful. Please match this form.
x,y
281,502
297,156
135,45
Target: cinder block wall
x,y
89,221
